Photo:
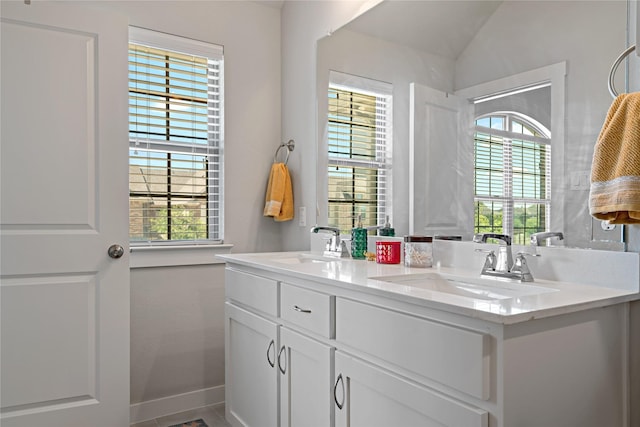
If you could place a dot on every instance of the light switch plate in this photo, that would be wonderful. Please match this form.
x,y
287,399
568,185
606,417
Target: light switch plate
x,y
302,216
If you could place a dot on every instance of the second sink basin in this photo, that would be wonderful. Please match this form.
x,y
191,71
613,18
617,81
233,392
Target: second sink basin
x,y
476,288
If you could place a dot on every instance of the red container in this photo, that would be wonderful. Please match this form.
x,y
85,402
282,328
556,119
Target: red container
x,y
388,252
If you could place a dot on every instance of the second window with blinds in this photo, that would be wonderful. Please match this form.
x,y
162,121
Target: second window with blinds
x,y
358,151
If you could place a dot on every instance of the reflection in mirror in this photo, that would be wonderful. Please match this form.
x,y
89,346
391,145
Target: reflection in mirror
x,y
512,165
458,47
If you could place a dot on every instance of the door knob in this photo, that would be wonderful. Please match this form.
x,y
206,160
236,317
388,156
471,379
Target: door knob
x,y
115,251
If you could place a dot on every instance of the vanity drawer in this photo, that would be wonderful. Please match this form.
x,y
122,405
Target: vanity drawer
x,y
452,356
251,290
308,309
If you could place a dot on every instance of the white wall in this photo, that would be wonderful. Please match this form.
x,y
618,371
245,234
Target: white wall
x,y
177,331
177,327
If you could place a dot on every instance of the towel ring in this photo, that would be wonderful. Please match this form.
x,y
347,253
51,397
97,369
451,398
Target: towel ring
x,y
614,68
289,146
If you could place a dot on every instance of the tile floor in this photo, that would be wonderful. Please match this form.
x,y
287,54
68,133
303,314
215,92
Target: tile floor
x,y
212,415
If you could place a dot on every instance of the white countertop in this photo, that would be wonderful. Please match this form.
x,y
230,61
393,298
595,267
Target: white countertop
x,y
554,299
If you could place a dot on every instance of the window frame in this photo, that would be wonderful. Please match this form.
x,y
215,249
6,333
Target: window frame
x,y
555,76
508,139
383,160
214,149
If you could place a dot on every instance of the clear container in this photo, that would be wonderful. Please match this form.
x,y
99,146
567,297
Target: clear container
x,y
418,251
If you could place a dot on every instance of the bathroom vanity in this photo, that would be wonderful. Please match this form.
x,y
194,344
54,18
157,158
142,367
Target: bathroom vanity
x,y
315,341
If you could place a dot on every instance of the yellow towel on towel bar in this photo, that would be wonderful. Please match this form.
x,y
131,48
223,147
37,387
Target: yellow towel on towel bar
x,y
615,171
279,197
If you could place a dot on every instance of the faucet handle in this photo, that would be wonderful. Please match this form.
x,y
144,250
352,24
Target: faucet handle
x,y
521,268
489,261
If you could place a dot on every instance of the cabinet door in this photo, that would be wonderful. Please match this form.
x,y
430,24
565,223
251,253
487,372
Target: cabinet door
x,y
305,366
251,375
368,396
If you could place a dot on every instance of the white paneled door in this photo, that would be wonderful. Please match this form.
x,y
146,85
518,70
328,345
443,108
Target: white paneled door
x,y
63,178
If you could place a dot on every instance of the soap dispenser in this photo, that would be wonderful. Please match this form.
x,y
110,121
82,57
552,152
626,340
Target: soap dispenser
x,y
358,240
387,230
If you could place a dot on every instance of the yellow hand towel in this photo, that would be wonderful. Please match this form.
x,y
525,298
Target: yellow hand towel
x,y
286,210
279,197
615,171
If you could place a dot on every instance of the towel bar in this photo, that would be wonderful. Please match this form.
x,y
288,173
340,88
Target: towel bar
x,y
289,146
614,67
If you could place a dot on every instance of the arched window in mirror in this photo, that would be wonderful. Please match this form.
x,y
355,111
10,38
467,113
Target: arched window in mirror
x,y
358,151
512,179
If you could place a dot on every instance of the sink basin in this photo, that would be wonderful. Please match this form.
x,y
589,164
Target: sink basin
x,y
476,288
303,259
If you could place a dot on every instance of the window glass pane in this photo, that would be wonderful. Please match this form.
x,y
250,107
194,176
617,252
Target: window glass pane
x,y
488,217
516,127
528,218
529,170
147,218
188,219
523,128
497,122
352,192
484,121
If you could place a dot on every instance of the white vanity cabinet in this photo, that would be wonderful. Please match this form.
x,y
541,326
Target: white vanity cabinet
x,y
251,350
303,351
276,374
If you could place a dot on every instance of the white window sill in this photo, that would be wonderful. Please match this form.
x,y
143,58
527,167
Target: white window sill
x,y
176,255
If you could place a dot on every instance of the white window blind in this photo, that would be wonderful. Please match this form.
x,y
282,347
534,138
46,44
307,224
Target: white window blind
x,y
175,139
359,151
512,176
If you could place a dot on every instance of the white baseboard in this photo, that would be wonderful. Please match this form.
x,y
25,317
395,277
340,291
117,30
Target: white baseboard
x,y
151,409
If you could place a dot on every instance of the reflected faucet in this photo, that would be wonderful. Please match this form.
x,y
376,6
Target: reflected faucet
x,y
538,238
335,248
503,265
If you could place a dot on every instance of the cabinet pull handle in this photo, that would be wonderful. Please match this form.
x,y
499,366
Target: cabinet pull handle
x,y
283,370
335,388
272,344
301,310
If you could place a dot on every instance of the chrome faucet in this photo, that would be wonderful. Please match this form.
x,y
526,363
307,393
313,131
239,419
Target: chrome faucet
x,y
538,238
335,248
503,266
504,260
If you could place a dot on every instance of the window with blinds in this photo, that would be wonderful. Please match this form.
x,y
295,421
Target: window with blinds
x,y
175,139
359,157
512,176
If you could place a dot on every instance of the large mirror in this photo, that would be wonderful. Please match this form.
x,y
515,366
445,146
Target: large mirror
x,y
552,59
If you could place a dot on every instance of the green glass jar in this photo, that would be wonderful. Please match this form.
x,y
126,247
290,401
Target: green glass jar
x,y
358,241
